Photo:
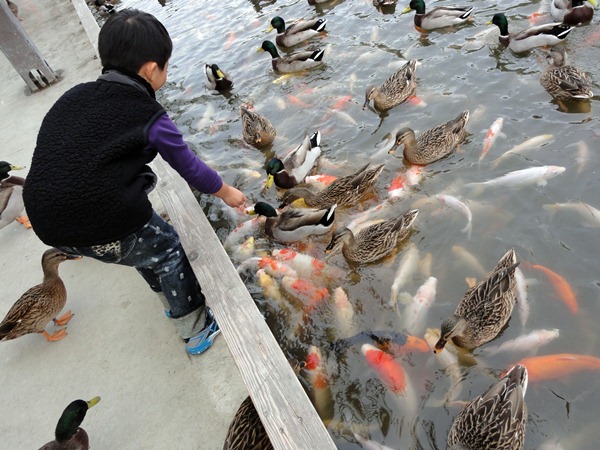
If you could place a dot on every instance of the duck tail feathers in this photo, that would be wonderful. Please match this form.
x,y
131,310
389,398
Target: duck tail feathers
x,y
315,139
318,55
320,25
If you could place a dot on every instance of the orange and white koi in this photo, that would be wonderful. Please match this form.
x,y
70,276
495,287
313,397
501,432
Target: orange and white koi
x,y
305,291
390,371
415,311
272,267
526,343
491,136
319,381
590,216
416,101
368,444
561,287
410,344
398,188
230,40
534,142
240,233
522,301
321,178
405,269
559,366
307,266
456,204
413,175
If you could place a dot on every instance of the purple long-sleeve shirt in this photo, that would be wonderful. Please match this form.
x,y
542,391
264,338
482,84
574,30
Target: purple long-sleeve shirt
x,y
166,139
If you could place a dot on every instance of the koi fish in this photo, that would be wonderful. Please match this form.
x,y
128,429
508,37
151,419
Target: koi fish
x,y
344,311
561,286
425,264
470,261
526,343
389,370
583,155
368,215
398,188
590,216
308,267
345,117
319,382
406,268
407,344
523,177
415,312
455,203
245,250
416,101
449,362
368,444
491,136
297,101
240,233
342,102
559,366
322,178
230,40
414,175
305,291
534,142
272,267
521,290
269,287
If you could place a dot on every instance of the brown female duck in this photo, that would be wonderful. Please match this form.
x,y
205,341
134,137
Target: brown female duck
x,y
40,304
256,129
68,434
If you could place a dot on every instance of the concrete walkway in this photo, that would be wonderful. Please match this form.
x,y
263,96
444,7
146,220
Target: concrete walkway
x,y
120,345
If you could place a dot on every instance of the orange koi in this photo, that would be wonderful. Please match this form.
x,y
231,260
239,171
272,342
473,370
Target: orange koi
x,y
560,285
319,381
308,267
395,349
491,135
276,268
230,40
322,178
297,101
398,187
552,367
342,102
389,370
305,291
416,101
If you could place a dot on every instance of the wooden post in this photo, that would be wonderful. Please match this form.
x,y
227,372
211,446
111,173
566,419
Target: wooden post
x,y
284,408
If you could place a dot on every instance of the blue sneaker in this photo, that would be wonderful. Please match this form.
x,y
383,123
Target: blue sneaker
x,y
203,340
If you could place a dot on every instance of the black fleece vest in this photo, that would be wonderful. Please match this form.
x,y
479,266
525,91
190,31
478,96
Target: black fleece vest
x,y
88,178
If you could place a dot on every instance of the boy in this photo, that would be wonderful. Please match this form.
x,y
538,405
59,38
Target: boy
x,y
87,190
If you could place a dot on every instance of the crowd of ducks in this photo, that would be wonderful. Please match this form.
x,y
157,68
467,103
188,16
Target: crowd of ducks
x,y
496,418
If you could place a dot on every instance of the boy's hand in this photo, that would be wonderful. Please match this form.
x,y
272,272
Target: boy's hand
x,y
231,196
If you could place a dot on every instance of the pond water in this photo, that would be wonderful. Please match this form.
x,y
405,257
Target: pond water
x,y
461,69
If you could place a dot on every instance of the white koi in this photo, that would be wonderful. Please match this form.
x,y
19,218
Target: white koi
x,y
244,251
583,155
344,313
414,175
307,266
368,444
526,343
370,214
523,177
242,231
491,136
415,312
455,203
531,143
406,268
522,301
590,216
469,259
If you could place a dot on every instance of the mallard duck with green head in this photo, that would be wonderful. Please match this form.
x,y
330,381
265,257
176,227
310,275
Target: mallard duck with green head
x,y
496,419
343,191
40,304
297,32
68,434
572,12
536,36
563,81
257,130
295,224
439,17
11,196
485,308
294,62
218,80
373,242
295,166
395,90
433,144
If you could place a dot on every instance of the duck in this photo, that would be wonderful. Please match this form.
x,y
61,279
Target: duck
x,y
373,242
563,81
257,130
14,9
105,7
218,80
40,304
485,308
246,430
68,434
434,144
295,224
495,419
439,17
536,36
343,191
297,32
395,90
572,12
11,196
294,62
296,165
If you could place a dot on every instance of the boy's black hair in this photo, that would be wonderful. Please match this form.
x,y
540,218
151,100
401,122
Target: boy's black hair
x,y
131,38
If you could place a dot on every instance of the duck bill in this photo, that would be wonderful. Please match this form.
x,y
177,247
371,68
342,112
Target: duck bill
x,y
268,30
366,104
269,181
260,49
406,10
489,22
16,167
593,2
93,402
220,74
74,257
392,150
439,346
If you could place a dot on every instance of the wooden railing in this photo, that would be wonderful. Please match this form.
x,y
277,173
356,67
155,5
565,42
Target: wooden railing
x,y
286,411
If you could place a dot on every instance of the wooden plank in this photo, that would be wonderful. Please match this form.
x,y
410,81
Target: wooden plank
x,y
88,22
285,410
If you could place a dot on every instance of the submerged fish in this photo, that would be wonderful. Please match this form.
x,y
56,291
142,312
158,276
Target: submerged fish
x,y
368,444
491,136
344,312
458,205
559,366
390,370
526,343
319,381
310,295
416,311
561,287
469,259
242,231
523,177
406,268
534,142
307,266
522,301
590,216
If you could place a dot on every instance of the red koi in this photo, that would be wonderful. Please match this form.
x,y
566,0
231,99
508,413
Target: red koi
x,y
342,102
297,101
230,40
389,370
416,101
560,285
305,291
559,366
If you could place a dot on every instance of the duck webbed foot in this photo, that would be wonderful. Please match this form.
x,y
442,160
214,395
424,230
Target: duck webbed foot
x,y
63,320
56,336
